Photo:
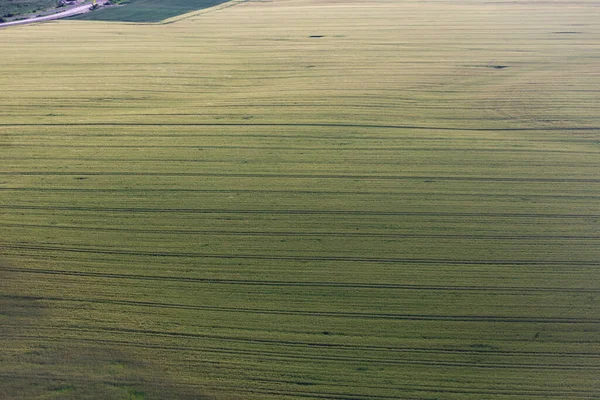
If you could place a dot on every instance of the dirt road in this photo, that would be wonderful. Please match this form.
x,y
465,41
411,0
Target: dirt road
x,y
67,13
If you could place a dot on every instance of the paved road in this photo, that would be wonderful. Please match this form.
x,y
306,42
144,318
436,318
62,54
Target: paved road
x,y
67,13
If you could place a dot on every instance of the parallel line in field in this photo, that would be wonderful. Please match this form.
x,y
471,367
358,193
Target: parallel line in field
x,y
327,284
429,193
315,125
295,233
324,165
278,136
300,176
522,393
295,212
216,337
280,162
238,112
379,260
296,148
494,353
419,388
328,314
266,354
408,389
425,350
246,282
115,381
242,391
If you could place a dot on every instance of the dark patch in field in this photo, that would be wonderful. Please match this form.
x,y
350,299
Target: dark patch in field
x,y
316,36
80,178
568,33
12,304
20,307
483,346
67,368
136,394
63,389
305,383
498,66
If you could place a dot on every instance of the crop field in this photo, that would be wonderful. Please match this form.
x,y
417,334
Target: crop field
x,y
149,10
9,8
331,199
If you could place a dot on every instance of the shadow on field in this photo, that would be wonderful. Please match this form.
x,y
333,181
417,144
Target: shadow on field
x,y
38,360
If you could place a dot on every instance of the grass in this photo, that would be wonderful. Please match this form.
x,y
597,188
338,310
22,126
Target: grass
x,y
224,207
9,8
148,10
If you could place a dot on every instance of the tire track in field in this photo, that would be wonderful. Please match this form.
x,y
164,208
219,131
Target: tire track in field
x,y
275,354
240,391
523,393
155,386
421,388
296,212
303,234
327,314
326,284
408,389
354,347
278,355
300,176
296,148
246,282
327,192
342,285
347,259
312,125
137,161
305,136
244,390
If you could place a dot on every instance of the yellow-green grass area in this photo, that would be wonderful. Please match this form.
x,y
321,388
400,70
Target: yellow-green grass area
x,y
303,199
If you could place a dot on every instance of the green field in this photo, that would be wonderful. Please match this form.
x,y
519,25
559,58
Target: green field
x,y
148,10
9,8
303,199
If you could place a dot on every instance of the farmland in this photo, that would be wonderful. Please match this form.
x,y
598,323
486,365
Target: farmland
x,y
9,8
148,10
303,199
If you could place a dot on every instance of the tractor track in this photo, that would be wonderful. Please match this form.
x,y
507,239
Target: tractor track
x,y
306,234
279,356
279,283
313,125
346,259
300,176
298,212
